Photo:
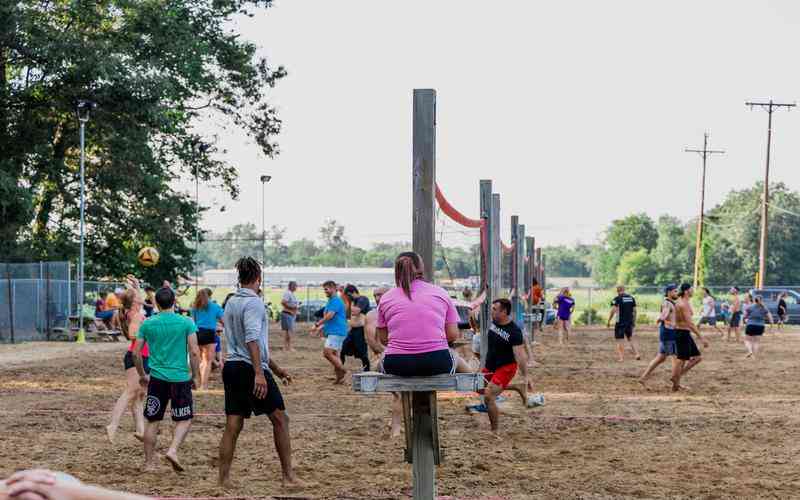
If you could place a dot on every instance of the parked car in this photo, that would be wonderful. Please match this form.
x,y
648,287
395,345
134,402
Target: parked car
x,y
307,309
771,297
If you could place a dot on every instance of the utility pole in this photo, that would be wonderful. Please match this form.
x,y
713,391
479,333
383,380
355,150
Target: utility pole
x,y
699,240
762,247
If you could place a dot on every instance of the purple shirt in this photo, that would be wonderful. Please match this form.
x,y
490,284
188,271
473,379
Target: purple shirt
x,y
564,306
417,325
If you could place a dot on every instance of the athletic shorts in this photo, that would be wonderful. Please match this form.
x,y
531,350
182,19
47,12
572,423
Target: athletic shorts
x,y
177,394
708,320
684,343
502,375
666,341
239,380
622,330
287,322
218,341
736,319
128,362
424,364
206,336
754,330
335,342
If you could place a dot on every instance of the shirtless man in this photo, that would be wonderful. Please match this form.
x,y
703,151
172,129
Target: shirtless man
x,y
687,352
666,333
377,348
736,314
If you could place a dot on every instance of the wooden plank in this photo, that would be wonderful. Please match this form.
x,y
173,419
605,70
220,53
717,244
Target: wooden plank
x,y
372,382
408,425
424,466
424,177
438,455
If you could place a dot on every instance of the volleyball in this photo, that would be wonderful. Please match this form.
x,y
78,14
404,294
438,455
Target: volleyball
x,y
148,256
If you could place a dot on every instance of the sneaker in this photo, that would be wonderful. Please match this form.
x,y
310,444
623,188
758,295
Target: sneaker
x,y
478,408
535,400
500,399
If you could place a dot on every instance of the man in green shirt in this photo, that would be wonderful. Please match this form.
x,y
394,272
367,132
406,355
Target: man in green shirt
x,y
171,338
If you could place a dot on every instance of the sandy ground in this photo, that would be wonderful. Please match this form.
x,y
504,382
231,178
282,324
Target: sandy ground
x,y
600,435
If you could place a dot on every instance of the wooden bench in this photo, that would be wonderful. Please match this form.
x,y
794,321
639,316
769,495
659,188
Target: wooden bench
x,y
420,417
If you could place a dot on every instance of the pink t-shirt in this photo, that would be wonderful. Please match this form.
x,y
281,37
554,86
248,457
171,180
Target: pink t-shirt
x,y
417,325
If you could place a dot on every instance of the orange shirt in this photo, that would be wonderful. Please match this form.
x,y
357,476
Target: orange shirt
x,y
537,295
112,302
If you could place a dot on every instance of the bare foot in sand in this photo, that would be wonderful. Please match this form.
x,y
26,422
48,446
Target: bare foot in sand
x,y
340,374
172,458
643,383
149,467
395,432
110,432
138,436
292,482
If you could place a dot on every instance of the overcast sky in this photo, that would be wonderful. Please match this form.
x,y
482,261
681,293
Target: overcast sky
x,y
579,111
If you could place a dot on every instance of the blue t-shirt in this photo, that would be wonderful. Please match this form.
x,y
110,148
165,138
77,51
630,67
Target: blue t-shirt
x,y
207,318
338,324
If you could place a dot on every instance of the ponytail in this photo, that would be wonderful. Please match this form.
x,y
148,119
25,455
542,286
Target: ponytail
x,y
121,316
407,268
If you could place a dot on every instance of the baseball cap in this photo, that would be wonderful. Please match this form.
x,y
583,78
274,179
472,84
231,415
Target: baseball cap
x,y
670,288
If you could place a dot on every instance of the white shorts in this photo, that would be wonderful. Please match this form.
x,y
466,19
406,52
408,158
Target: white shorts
x,y
476,343
335,342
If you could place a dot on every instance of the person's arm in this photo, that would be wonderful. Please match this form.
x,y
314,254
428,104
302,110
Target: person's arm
x,y
254,314
693,328
611,315
383,335
325,318
355,317
371,334
45,485
279,372
144,378
635,314
452,332
522,363
194,358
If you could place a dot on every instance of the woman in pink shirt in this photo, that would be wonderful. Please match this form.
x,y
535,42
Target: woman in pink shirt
x,y
127,320
415,322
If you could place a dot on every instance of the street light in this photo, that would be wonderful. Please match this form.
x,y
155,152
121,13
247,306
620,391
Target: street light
x,y
264,180
199,148
84,107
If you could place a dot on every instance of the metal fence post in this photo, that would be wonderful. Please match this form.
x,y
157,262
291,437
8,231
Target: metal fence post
x,y
590,313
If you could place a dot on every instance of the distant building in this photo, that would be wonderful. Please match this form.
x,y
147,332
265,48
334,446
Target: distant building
x,y
309,276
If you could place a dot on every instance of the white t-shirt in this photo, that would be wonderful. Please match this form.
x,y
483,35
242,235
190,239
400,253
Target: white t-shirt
x,y
708,307
290,299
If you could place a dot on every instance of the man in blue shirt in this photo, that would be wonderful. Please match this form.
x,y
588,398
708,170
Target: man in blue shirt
x,y
334,328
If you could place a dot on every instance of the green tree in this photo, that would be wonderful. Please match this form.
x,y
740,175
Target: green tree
x,y
671,253
156,68
637,268
629,234
565,261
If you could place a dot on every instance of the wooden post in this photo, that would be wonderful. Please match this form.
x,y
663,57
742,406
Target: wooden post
x,y
423,463
530,243
424,177
497,249
522,285
10,302
486,263
515,253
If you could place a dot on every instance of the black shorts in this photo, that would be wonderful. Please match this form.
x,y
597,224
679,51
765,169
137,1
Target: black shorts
x,y
708,320
178,394
419,365
206,336
685,346
355,344
736,319
128,362
754,330
622,330
238,378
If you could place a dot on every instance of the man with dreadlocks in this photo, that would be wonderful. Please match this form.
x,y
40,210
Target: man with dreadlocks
x,y
250,387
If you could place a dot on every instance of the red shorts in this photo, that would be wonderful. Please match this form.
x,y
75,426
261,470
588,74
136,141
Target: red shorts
x,y
502,376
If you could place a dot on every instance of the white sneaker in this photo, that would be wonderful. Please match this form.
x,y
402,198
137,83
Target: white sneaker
x,y
535,400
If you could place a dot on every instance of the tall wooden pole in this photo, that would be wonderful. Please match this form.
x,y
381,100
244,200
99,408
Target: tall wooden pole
x,y
486,263
515,244
762,247
521,283
698,248
497,249
424,177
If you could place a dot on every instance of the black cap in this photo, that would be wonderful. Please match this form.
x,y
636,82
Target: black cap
x,y
669,288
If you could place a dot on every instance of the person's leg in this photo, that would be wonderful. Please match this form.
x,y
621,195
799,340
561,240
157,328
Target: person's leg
x,y
748,345
694,361
490,399
333,358
521,389
736,330
677,369
181,431
397,414
130,393
150,437
287,340
207,357
633,347
620,350
660,358
756,342
227,447
283,444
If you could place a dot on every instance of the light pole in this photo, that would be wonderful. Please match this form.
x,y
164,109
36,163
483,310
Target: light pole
x,y
199,148
83,109
264,180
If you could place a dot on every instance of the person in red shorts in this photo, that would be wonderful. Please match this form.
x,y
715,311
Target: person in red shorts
x,y
505,354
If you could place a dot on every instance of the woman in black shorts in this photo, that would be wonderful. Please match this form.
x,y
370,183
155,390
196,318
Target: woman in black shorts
x,y
755,316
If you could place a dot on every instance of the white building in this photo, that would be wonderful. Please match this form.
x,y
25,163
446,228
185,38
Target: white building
x,y
312,276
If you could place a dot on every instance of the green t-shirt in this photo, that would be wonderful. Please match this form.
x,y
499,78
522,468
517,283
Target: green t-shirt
x,y
166,335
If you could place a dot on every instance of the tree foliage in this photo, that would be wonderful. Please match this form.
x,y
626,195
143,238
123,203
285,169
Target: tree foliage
x,y
155,68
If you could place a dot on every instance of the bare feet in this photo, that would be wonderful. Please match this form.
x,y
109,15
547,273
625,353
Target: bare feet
x,y
643,383
110,432
225,484
292,482
395,432
340,374
749,355
675,384
149,467
172,458
138,436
